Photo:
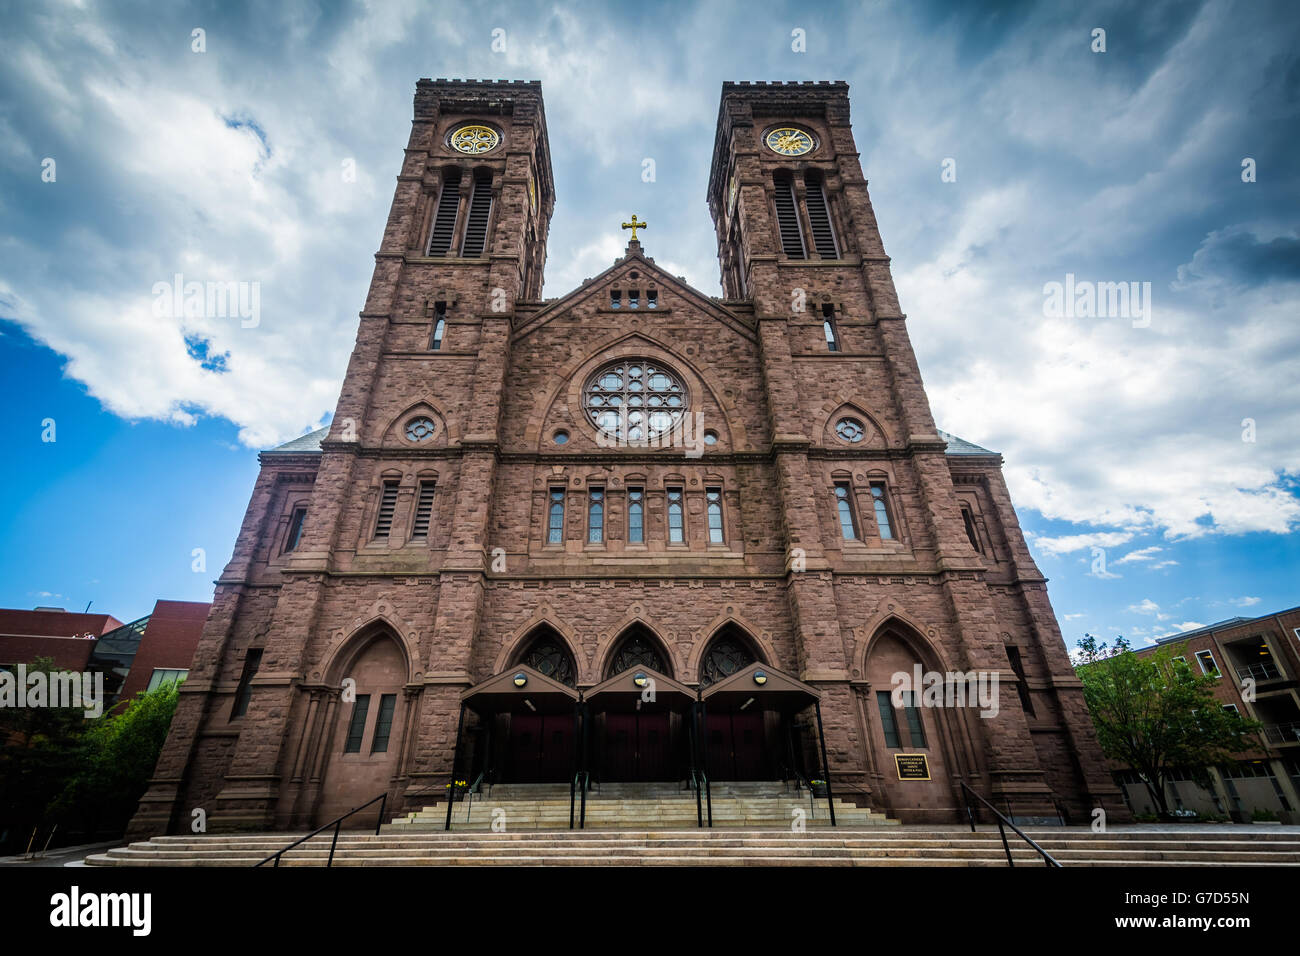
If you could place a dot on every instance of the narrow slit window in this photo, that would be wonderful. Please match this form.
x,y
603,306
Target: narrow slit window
x,y
252,661
555,527
387,507
675,527
888,723
635,515
828,328
713,498
882,511
844,504
969,521
384,723
357,725
423,512
295,529
915,729
596,516
439,326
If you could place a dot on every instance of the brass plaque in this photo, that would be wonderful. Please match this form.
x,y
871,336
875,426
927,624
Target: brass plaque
x,y
912,766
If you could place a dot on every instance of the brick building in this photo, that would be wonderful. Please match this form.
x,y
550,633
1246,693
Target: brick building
x,y
523,507
1256,664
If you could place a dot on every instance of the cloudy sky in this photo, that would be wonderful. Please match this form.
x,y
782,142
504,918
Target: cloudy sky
x,y
1154,454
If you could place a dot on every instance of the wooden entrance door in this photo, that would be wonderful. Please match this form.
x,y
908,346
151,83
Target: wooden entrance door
x,y
735,747
540,748
636,747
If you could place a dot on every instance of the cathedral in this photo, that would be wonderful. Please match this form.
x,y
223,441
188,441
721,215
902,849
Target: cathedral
x,y
635,533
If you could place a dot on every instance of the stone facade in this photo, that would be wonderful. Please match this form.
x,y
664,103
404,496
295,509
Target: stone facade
x,y
261,737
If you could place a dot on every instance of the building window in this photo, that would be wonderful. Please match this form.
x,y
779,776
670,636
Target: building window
x,y
615,298
444,217
357,725
420,429
439,325
1022,688
844,504
480,211
971,535
595,515
887,722
787,217
882,511
651,299
1232,709
635,515
634,400
387,506
634,298
675,527
162,676
555,526
295,529
244,693
828,328
850,430
915,729
713,499
1208,666
561,437
384,723
423,512
819,217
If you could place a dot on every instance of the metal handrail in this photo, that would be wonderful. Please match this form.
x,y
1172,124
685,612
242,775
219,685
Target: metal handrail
x,y
477,785
336,824
1003,823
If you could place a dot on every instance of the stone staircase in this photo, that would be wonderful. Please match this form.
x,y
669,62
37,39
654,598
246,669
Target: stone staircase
x,y
637,806
864,846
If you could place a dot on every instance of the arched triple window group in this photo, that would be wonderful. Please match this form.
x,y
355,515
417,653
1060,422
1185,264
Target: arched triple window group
x,y
812,231
729,650
467,221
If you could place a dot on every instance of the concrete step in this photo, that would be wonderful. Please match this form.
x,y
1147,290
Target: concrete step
x,y
864,846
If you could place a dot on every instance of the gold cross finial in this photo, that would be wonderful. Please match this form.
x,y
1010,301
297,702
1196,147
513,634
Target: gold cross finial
x,y
634,226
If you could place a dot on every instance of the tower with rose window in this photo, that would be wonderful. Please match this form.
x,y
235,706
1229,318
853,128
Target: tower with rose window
x,y
631,479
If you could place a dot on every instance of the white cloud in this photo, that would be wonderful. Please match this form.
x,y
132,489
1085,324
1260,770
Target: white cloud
x,y
1067,544
1147,606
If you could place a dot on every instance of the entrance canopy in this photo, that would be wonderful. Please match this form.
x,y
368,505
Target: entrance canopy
x,y
759,687
520,690
640,688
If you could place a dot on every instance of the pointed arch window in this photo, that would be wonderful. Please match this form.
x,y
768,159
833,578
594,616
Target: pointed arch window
x,y
439,326
548,656
637,649
555,519
636,515
725,656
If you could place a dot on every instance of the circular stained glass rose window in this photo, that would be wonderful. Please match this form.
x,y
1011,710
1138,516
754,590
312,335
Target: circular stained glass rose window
x,y
634,400
850,429
420,429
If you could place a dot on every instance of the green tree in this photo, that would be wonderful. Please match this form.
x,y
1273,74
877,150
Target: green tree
x,y
116,760
1153,714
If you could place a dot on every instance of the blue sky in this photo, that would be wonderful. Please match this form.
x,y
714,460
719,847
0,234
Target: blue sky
x,y
225,165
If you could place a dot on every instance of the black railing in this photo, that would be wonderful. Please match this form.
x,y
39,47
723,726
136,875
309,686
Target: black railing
x,y
581,781
336,824
1003,823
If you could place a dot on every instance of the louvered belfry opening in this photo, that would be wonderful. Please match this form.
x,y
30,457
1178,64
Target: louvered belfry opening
x,y
444,218
787,219
387,506
819,217
480,209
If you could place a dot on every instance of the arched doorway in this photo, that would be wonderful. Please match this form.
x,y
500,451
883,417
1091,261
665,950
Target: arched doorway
x,y
530,745
639,739
739,742
368,730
